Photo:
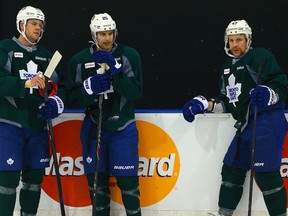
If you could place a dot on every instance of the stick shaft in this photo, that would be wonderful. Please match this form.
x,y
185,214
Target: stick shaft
x,y
252,161
99,126
55,161
253,144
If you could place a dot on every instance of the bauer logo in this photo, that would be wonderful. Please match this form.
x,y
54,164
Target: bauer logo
x,y
159,165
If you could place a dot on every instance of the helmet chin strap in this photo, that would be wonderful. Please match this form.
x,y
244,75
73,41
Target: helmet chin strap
x,y
94,42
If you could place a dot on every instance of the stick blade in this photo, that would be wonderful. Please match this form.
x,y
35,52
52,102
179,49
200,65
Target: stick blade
x,y
53,64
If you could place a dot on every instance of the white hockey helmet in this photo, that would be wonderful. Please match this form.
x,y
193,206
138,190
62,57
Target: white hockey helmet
x,y
237,27
27,13
102,22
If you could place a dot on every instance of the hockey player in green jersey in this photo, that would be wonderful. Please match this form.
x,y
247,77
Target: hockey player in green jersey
x,y
251,81
24,137
115,71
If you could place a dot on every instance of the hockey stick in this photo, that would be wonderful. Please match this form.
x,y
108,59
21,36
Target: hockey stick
x,y
99,125
253,149
252,161
48,73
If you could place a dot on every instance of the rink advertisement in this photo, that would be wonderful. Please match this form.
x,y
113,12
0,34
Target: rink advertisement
x,y
179,164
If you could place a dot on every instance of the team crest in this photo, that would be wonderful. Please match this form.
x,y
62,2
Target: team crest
x,y
29,74
233,90
31,71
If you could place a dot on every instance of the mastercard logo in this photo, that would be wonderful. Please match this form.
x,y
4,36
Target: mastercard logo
x,y
159,166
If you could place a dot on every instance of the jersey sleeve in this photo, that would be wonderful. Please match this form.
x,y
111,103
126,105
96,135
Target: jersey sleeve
x,y
129,83
272,75
76,99
9,85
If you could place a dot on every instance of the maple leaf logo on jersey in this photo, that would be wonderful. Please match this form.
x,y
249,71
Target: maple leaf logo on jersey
x,y
10,161
30,73
233,90
89,159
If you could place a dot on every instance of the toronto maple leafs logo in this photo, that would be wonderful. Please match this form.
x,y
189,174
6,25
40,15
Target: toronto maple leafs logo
x,y
30,73
89,159
233,90
10,161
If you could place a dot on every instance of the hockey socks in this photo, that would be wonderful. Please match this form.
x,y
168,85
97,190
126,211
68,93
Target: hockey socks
x,y
129,190
29,198
103,193
274,193
229,197
130,194
276,202
231,189
31,191
9,181
7,200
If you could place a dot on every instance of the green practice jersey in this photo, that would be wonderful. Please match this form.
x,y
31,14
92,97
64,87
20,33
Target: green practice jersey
x,y
18,63
239,76
118,108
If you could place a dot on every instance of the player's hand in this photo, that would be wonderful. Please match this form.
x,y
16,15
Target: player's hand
x,y
97,83
102,56
35,81
51,88
52,108
263,96
193,107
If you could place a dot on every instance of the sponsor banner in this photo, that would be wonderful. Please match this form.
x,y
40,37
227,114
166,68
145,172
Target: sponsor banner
x,y
179,164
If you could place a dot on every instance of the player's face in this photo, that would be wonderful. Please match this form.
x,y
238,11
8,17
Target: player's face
x,y
33,29
105,40
237,44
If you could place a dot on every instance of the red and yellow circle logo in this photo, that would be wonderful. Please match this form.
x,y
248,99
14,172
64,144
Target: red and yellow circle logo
x,y
159,166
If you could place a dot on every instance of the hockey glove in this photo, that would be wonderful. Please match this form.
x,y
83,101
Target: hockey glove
x,y
52,108
52,88
102,56
193,107
97,84
263,96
